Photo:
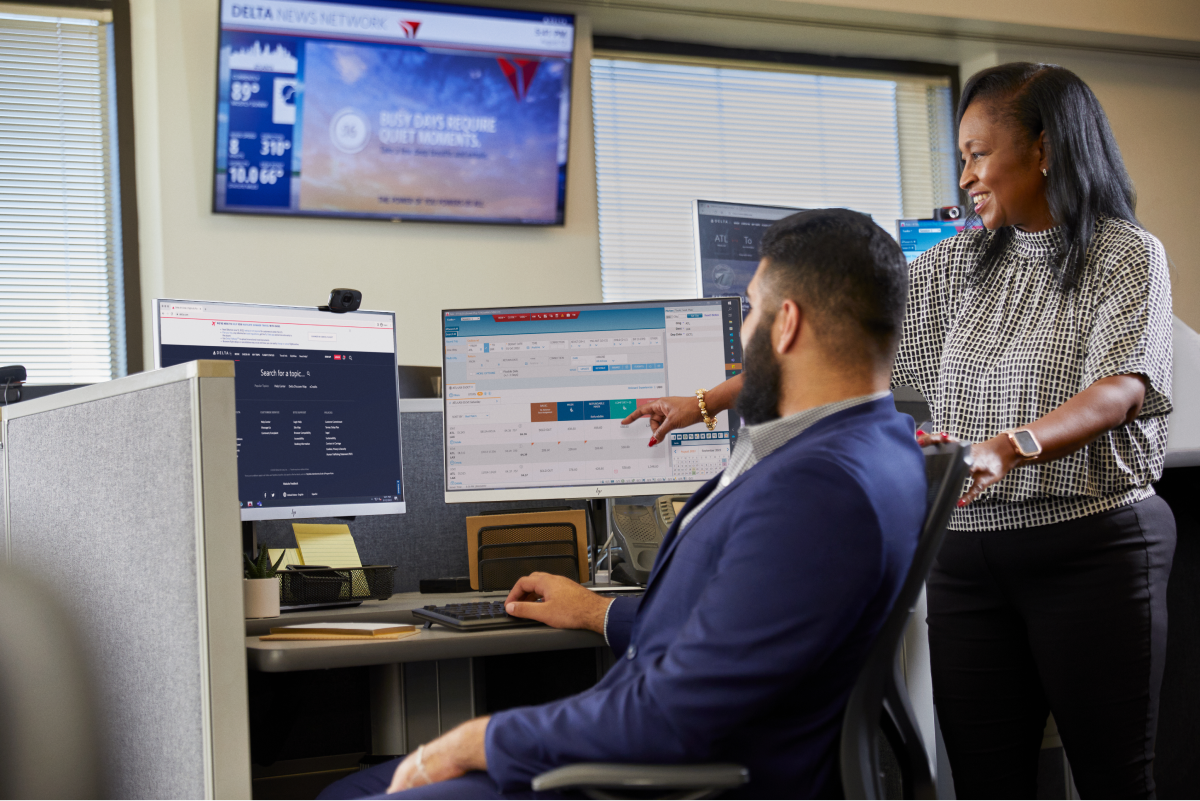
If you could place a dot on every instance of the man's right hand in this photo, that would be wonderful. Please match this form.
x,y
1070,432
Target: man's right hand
x,y
557,601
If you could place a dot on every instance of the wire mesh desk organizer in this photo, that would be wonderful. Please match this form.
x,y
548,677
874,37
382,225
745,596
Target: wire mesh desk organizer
x,y
342,586
506,553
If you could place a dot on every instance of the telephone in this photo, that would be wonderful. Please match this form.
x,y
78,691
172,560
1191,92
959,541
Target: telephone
x,y
638,529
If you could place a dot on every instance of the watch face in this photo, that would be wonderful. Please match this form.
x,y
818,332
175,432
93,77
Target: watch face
x,y
1026,443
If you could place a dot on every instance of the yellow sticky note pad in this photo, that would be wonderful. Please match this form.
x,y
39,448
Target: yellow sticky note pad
x,y
291,557
331,546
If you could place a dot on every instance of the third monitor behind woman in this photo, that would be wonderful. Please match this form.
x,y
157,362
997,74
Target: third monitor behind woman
x,y
1044,340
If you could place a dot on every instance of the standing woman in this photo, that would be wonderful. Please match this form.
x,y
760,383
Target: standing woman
x,y
1045,340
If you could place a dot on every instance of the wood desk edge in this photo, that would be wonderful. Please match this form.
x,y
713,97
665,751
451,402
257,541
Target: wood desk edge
x,y
426,646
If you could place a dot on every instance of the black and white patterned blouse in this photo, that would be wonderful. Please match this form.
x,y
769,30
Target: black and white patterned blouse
x,y
1003,352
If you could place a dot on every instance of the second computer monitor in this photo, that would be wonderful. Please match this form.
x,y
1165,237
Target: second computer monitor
x,y
727,238
534,397
318,423
918,236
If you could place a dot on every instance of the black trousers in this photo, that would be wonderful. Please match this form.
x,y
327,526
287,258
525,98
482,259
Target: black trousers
x,y
1069,618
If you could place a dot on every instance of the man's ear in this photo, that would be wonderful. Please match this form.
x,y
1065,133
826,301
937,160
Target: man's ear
x,y
786,330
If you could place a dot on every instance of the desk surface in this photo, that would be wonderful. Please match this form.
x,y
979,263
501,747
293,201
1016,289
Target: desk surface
x,y
426,645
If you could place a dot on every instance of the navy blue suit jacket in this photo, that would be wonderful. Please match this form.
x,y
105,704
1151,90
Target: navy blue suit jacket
x,y
755,622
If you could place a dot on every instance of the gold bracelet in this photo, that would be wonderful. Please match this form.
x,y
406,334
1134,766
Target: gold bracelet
x,y
708,421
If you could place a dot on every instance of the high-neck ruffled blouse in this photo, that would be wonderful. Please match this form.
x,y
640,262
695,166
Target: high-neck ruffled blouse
x,y
1000,353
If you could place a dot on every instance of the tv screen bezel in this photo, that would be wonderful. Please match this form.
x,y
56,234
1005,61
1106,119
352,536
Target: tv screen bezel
x,y
561,220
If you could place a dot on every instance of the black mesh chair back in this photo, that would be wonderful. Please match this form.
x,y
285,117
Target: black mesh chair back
x,y
882,753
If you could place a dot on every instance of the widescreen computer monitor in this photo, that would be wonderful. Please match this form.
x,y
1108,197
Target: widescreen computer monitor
x,y
534,398
318,420
727,237
918,236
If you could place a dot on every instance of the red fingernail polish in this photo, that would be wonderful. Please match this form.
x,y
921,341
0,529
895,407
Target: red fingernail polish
x,y
653,442
962,501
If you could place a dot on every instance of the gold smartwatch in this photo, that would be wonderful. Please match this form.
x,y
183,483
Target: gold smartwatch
x,y
1024,443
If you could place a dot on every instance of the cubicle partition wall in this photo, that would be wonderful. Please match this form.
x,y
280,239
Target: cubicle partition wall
x,y
122,497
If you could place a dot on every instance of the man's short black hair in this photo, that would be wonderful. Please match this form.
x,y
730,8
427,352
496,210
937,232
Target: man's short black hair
x,y
844,271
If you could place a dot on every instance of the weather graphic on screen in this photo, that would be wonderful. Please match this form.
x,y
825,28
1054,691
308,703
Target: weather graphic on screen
x,y
395,112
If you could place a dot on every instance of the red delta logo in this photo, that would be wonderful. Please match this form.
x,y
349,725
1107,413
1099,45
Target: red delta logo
x,y
409,27
520,72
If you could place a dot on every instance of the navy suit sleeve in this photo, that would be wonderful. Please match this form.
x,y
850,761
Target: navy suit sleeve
x,y
621,613
813,556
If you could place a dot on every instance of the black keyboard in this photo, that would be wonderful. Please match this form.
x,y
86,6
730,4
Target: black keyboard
x,y
472,616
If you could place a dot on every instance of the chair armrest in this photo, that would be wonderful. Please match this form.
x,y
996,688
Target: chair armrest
x,y
615,776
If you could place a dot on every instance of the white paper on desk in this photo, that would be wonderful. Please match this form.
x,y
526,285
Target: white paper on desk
x,y
330,546
347,628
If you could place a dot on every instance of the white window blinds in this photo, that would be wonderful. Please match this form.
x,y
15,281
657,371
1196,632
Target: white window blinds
x,y
669,133
61,294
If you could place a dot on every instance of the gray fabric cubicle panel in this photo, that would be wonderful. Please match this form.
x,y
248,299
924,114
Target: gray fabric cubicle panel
x,y
430,539
122,498
75,504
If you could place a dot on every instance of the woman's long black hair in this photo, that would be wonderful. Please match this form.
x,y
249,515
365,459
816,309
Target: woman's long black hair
x,y
1086,175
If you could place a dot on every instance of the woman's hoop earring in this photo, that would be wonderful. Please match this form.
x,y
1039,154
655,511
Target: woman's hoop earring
x,y
1044,173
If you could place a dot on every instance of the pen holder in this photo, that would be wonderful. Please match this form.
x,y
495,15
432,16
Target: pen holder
x,y
319,586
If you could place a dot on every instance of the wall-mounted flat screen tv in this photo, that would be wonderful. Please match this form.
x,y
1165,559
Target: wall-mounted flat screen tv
x,y
392,110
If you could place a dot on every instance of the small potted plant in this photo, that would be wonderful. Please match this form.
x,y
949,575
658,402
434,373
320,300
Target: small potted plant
x,y
260,590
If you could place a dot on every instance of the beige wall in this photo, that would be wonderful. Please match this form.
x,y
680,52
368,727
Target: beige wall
x,y
416,269
419,268
1169,19
1154,108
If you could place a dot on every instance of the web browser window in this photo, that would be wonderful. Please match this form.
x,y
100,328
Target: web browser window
x,y
534,397
316,393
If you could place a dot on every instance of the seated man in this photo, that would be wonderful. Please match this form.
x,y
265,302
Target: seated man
x,y
770,588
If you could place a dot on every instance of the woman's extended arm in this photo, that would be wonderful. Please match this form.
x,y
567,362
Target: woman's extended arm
x,y
1106,404
670,413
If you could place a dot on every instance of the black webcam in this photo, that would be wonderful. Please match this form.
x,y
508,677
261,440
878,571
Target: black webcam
x,y
342,301
949,213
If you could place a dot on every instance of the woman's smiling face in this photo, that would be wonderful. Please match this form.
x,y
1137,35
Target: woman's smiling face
x,y
1002,173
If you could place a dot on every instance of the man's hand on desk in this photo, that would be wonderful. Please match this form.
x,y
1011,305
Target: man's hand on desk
x,y
454,754
564,604
554,600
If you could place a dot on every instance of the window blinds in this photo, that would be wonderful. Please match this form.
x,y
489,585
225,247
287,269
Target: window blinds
x,y
669,133
61,296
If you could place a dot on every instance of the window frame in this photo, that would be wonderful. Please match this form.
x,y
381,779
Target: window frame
x,y
754,60
126,171
767,57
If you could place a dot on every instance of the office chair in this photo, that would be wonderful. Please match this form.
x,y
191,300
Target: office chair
x,y
882,753
880,736
48,742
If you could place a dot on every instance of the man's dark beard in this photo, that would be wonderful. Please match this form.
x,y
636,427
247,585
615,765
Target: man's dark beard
x,y
759,399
